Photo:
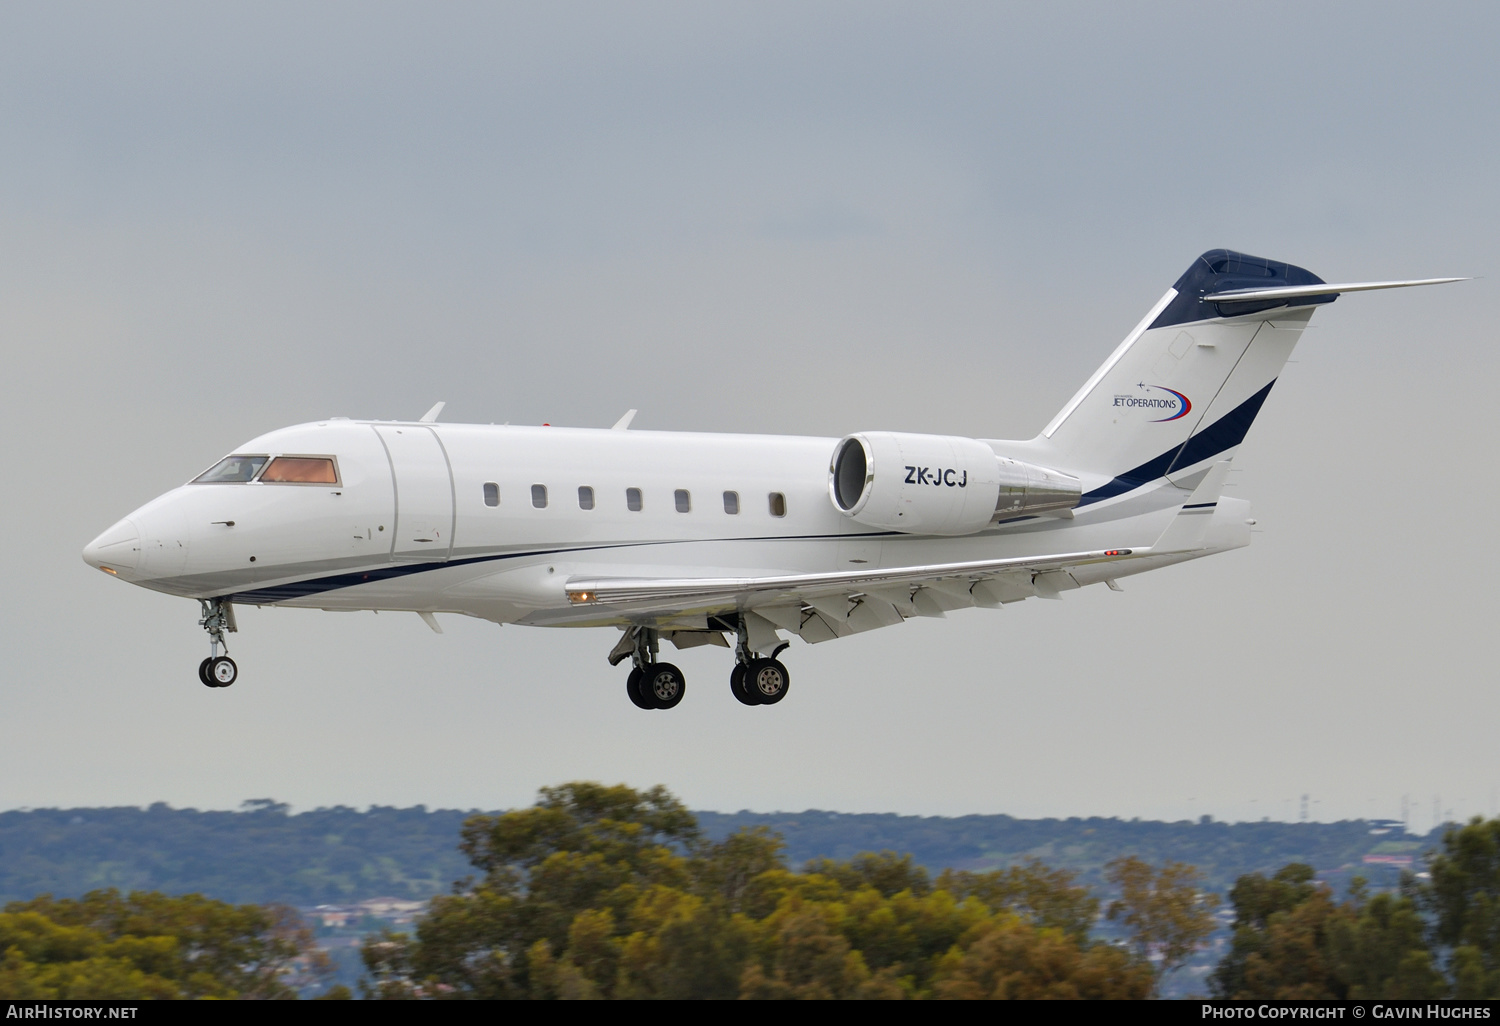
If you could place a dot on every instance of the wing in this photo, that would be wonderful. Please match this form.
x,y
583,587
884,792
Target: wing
x,y
819,607
823,606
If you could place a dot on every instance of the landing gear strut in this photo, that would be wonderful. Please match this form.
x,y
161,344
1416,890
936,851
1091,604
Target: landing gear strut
x,y
756,680
652,685
217,671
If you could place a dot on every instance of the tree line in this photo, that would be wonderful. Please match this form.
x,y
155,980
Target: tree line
x,y
609,892
341,855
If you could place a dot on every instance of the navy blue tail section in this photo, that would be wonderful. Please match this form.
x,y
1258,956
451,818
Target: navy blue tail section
x,y
1223,270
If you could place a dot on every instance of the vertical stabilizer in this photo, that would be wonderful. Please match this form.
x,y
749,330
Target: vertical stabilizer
x,y
1183,388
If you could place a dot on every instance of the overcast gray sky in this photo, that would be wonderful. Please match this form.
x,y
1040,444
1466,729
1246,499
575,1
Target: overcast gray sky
x,y
805,218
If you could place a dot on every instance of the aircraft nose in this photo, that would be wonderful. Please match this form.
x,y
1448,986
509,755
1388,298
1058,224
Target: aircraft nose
x,y
117,549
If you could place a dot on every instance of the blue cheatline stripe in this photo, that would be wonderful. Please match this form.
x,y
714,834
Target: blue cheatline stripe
x,y
1223,434
318,585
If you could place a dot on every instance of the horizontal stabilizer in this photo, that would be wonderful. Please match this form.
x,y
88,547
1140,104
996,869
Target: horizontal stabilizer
x,y
1323,289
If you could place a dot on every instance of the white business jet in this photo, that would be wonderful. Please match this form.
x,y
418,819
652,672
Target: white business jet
x,y
731,540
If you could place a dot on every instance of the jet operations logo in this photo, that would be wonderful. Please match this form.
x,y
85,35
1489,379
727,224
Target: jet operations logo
x,y
1150,397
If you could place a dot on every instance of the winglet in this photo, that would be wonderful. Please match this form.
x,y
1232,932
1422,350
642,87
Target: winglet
x,y
624,422
431,416
1190,526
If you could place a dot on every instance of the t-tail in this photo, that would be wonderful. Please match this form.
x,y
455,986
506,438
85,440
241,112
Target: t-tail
x,y
1179,394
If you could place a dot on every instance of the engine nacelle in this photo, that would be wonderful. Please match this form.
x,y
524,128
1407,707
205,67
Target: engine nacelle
x,y
939,484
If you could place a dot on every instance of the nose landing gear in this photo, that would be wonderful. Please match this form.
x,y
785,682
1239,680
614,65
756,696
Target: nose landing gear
x,y
217,671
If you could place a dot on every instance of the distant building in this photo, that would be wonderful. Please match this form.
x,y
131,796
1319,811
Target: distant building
x,y
334,915
397,910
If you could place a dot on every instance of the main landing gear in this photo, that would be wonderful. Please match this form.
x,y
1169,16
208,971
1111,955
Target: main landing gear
x,y
217,671
652,685
755,680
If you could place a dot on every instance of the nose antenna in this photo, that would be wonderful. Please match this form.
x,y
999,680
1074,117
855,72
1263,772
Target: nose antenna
x,y
431,416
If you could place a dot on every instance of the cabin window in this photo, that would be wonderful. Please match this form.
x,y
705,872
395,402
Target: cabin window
x,y
683,501
731,503
539,496
778,504
301,470
585,497
633,499
491,494
232,470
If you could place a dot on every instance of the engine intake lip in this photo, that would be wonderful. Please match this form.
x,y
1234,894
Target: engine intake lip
x,y
850,474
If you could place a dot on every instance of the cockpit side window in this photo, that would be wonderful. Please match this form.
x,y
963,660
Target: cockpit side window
x,y
301,470
232,470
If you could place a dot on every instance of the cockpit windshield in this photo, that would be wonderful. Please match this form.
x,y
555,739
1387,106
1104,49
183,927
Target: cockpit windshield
x,y
281,470
301,470
232,469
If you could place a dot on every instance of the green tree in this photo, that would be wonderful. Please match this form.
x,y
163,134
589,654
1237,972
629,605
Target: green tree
x,y
884,871
599,892
1166,911
900,937
1007,957
1280,943
1293,942
1378,949
732,869
1464,899
572,890
804,955
1043,896
151,945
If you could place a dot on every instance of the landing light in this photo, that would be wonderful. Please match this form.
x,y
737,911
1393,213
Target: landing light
x,y
109,571
582,596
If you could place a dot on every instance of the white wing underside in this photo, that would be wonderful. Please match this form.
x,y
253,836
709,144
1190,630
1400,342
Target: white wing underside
x,y
820,607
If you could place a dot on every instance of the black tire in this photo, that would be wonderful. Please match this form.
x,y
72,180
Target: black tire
x,y
663,685
203,677
633,689
222,671
737,685
767,680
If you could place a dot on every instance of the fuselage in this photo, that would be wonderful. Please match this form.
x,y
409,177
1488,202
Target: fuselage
x,y
491,521
705,539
